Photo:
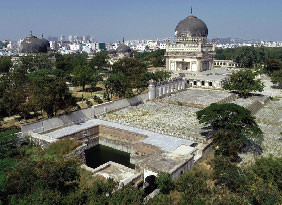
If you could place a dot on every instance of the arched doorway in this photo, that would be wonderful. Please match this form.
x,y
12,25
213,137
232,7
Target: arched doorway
x,y
149,184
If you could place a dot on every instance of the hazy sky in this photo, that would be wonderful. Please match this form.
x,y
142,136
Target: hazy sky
x,y
110,20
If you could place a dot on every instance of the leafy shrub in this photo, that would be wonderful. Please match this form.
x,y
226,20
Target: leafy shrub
x,y
164,182
97,99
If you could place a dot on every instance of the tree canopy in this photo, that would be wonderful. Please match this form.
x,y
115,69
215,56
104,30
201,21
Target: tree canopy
x,y
83,75
48,92
99,61
231,117
249,56
243,82
273,68
127,74
5,64
153,58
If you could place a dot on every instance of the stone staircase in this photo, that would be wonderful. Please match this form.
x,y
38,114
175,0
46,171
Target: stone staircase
x,y
257,106
228,99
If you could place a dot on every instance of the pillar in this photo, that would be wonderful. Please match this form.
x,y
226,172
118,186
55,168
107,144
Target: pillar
x,y
199,65
183,84
152,89
167,63
179,84
160,90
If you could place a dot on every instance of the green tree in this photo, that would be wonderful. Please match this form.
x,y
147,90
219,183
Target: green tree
x,y
5,64
32,63
246,56
228,174
83,75
99,61
159,76
42,175
233,118
68,62
269,169
164,182
243,82
276,77
118,84
272,65
193,187
14,90
153,58
49,93
134,70
127,195
228,144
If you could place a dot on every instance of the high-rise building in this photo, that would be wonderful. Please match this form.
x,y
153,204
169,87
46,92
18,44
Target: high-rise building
x,y
71,38
62,38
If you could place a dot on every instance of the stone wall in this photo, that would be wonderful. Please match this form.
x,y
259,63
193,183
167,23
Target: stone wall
x,y
40,140
84,134
81,115
116,144
79,152
179,170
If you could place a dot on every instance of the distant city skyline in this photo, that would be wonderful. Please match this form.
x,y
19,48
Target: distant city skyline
x,y
110,20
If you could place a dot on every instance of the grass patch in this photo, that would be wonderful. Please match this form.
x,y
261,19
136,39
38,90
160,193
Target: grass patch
x,y
62,147
87,178
179,103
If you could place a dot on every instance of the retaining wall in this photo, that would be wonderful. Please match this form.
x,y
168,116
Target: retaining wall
x,y
81,115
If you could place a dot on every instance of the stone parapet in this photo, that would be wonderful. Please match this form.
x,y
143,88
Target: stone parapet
x,y
159,89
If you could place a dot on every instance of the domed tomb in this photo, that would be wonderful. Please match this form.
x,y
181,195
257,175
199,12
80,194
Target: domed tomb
x,y
32,44
122,48
191,27
45,41
190,52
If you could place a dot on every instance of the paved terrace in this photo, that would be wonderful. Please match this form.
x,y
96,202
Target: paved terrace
x,y
197,96
164,142
163,118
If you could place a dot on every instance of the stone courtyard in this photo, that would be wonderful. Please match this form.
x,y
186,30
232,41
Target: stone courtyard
x,y
198,96
173,120
168,115
269,120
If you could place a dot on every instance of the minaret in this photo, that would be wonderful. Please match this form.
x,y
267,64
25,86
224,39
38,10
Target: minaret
x,y
123,40
191,12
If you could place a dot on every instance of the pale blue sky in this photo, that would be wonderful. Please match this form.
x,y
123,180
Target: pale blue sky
x,y
110,20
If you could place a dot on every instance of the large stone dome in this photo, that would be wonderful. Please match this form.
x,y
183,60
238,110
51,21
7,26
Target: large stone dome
x,y
46,42
122,48
32,44
191,27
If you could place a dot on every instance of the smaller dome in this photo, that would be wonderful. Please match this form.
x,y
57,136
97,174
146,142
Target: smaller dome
x,y
112,51
122,48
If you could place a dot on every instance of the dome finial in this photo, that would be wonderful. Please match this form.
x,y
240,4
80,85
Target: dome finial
x,y
30,32
191,12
